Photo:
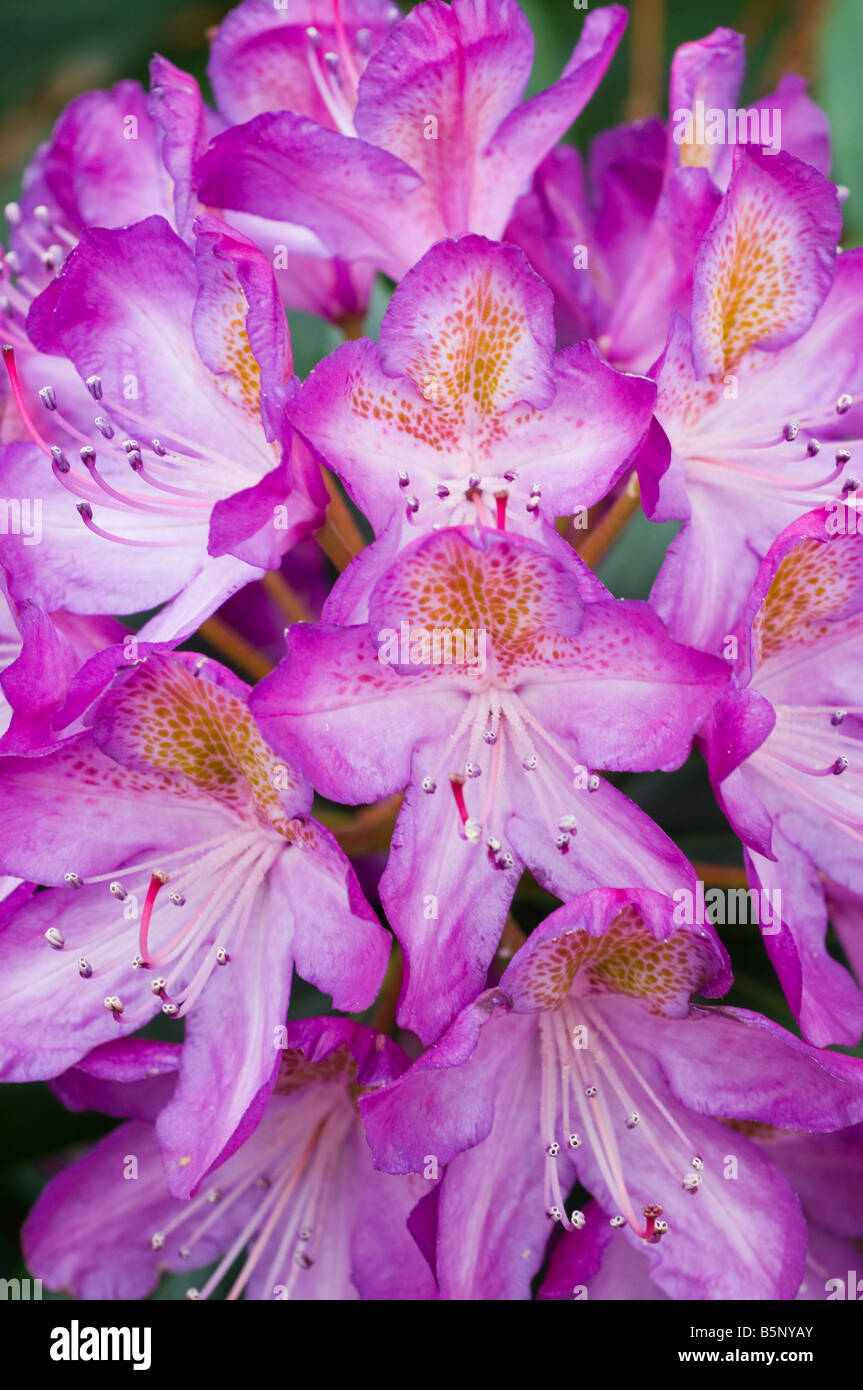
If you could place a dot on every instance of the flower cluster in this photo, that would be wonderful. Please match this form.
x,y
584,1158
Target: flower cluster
x,y
502,1075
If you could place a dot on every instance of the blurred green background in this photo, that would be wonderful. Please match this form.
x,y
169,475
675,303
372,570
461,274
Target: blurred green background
x,y
51,50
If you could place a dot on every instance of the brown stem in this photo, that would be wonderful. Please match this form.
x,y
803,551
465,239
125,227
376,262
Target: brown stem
x,y
646,58
218,634
596,541
721,875
798,48
352,326
339,537
289,603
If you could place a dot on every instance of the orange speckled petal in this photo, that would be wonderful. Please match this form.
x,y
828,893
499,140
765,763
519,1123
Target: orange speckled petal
x,y
472,328
811,592
766,262
467,580
168,719
603,942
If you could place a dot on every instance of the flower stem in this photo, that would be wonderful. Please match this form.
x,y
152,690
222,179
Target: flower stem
x,y
288,602
646,58
352,326
721,875
592,547
240,653
339,537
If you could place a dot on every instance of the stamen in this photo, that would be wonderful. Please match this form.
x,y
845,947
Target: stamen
x,y
18,395
344,47
654,1227
147,865
85,511
775,765
88,458
474,495
472,828
563,1058
157,881
833,770
330,94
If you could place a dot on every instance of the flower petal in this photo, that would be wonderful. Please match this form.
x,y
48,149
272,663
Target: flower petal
x,y
767,261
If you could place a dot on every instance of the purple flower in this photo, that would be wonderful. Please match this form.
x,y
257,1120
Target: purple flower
x,y
591,1063
617,242
182,864
757,397
705,81
116,157
524,688
102,167
306,58
47,663
431,139
823,1170
168,470
244,48
464,412
299,1198
784,751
